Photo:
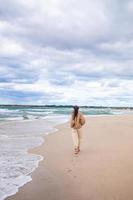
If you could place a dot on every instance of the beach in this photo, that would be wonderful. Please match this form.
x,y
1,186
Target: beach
x,y
103,170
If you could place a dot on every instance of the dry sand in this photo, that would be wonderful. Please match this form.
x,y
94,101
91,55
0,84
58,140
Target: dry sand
x,y
102,171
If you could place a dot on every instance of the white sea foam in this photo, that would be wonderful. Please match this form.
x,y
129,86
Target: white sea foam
x,y
16,164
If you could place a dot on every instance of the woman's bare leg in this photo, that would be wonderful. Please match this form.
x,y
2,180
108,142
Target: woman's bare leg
x,y
75,139
79,138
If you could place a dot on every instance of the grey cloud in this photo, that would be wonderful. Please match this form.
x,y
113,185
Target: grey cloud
x,y
71,24
47,26
67,41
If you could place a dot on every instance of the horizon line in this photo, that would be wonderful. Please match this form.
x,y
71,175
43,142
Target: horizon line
x,y
69,105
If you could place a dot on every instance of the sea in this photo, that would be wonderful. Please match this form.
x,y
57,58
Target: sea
x,y
23,127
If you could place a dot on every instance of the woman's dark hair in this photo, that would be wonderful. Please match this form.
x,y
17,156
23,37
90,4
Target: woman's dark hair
x,y
75,113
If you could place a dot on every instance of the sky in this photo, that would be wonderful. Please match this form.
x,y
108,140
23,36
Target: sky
x,y
66,52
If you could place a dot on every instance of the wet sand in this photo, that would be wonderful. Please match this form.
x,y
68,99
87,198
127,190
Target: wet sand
x,y
102,171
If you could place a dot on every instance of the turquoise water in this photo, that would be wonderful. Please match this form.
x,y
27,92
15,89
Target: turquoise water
x,y
38,112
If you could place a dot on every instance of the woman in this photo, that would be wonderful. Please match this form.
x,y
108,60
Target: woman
x,y
77,121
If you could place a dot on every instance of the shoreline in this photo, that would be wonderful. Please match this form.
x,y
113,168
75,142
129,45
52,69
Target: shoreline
x,y
49,179
23,179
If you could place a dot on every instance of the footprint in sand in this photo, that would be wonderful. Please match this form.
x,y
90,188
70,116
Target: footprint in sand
x,y
69,170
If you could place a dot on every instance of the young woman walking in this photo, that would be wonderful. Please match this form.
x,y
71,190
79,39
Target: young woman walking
x,y
77,121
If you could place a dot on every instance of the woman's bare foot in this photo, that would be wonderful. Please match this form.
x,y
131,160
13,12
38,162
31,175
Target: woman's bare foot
x,y
76,150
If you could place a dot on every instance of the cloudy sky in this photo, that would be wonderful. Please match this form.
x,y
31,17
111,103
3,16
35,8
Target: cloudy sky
x,y
66,52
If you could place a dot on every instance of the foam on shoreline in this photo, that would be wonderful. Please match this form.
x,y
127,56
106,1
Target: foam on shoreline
x,y
17,163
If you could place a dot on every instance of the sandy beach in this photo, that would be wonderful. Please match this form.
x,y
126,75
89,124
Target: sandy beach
x,y
102,171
